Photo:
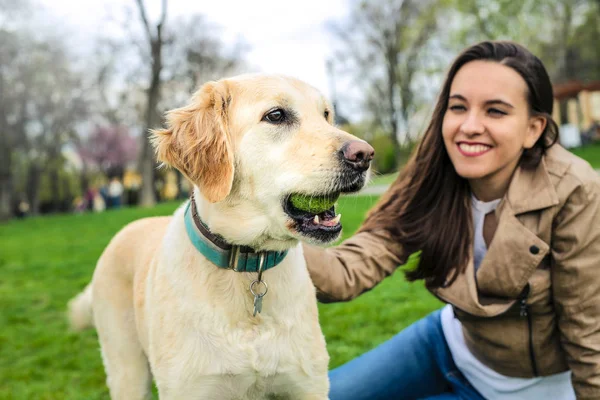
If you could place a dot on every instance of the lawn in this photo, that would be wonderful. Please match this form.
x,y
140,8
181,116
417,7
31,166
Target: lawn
x,y
590,153
46,261
386,179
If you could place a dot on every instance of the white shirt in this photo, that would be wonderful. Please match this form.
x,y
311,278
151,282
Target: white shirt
x,y
489,383
115,189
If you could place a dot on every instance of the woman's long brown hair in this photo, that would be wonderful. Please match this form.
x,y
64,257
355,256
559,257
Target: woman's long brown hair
x,y
428,208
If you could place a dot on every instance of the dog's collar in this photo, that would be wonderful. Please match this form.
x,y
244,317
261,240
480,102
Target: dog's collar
x,y
223,254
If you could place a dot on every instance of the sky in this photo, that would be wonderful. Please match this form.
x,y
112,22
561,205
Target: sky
x,y
286,36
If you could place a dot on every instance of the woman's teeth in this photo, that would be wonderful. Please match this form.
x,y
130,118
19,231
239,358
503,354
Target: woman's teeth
x,y
473,148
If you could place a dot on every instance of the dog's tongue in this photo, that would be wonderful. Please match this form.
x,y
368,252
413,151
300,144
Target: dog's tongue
x,y
327,221
331,222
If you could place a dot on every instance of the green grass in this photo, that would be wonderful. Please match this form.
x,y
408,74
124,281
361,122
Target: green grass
x,y
590,153
46,261
386,179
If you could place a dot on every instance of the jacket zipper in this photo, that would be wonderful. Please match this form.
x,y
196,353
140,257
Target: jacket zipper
x,y
524,312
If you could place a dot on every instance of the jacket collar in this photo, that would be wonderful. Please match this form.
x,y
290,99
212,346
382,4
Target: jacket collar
x,y
503,273
497,276
531,189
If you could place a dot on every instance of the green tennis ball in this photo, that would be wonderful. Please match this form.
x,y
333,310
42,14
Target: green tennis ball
x,y
313,204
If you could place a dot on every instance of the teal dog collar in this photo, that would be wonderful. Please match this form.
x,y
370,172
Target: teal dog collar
x,y
223,254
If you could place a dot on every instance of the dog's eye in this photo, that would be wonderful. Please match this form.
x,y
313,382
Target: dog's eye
x,y
276,116
326,114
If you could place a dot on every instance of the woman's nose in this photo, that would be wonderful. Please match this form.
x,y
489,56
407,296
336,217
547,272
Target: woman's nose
x,y
472,124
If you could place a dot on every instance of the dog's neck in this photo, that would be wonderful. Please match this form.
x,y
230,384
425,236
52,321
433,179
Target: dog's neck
x,y
239,226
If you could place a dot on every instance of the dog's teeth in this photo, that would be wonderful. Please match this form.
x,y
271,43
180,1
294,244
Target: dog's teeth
x,y
336,220
316,220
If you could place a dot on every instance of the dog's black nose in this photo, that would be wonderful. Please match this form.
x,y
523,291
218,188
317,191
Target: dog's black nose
x,y
357,154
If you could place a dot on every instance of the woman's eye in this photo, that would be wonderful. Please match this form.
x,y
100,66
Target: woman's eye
x,y
496,112
457,107
275,117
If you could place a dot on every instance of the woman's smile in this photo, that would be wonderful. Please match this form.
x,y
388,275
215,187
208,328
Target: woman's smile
x,y
473,149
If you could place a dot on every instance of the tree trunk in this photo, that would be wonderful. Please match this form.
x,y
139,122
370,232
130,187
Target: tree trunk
x,y
147,198
84,181
180,178
67,196
5,186
55,189
5,176
147,161
33,187
5,165
393,115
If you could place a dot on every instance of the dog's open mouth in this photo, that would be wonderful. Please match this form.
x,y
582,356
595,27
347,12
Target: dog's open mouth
x,y
318,221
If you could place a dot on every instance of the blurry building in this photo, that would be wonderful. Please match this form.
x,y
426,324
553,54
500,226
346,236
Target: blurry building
x,y
577,111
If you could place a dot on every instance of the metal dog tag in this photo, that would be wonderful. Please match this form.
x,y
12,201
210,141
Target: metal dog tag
x,y
257,305
255,287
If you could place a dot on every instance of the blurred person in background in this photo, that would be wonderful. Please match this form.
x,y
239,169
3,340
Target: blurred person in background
x,y
114,191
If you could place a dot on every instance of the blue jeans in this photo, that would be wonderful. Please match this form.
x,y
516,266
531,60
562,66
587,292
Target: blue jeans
x,y
414,364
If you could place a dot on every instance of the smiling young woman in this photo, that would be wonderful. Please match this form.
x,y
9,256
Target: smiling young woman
x,y
488,125
508,226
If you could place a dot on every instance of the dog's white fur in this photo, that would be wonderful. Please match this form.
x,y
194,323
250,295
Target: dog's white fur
x,y
163,311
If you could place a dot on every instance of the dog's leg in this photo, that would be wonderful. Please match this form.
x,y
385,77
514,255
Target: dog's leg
x,y
316,389
313,395
126,365
127,371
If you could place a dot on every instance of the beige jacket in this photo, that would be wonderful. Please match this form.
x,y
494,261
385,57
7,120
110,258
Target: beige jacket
x,y
533,307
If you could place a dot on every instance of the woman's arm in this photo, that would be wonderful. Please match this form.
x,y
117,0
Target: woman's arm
x,y
576,286
358,264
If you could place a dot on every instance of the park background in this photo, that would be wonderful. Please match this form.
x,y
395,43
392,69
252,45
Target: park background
x,y
81,83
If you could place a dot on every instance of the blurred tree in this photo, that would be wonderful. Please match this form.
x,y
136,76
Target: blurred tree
x,y
45,98
563,33
56,104
384,43
570,46
196,54
180,60
478,20
156,42
12,104
42,101
111,91
587,52
12,118
109,148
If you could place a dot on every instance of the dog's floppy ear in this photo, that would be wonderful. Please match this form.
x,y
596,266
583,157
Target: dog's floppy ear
x,y
198,143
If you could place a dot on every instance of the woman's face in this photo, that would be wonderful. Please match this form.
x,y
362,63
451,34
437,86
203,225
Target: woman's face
x,y
487,126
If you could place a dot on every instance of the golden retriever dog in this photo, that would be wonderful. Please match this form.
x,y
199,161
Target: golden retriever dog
x,y
211,328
